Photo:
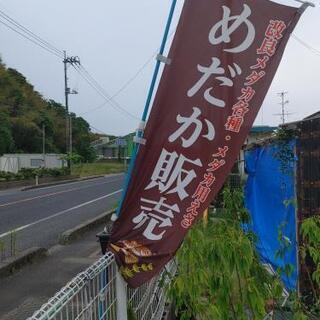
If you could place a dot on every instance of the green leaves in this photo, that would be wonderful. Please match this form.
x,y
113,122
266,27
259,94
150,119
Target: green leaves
x,y
6,140
219,274
23,112
310,256
285,153
310,230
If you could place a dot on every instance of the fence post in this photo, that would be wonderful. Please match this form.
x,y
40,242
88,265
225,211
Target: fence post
x,y
121,293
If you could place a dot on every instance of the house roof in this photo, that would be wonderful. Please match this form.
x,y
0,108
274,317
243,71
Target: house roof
x,y
262,129
313,116
308,118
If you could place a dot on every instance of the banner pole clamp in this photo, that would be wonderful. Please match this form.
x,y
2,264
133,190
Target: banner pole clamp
x,y
163,59
306,4
142,125
139,140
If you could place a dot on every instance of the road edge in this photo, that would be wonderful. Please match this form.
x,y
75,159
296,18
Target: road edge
x,y
11,265
76,232
34,254
50,184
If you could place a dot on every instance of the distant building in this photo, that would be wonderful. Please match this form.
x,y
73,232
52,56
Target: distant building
x,y
15,162
118,148
99,145
260,133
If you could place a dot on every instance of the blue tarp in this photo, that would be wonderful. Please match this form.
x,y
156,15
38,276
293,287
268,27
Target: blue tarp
x,y
267,193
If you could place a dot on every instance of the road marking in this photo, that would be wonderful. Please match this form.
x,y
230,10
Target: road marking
x,y
53,194
58,214
71,183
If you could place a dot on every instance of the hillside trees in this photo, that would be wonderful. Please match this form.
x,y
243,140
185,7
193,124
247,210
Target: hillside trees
x,y
24,112
6,139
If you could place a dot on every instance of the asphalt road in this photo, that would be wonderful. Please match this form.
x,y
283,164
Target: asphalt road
x,y
39,216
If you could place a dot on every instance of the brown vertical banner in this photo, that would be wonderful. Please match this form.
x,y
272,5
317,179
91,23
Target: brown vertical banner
x,y
223,59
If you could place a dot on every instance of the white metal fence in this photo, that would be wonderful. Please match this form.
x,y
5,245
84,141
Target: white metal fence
x,y
96,295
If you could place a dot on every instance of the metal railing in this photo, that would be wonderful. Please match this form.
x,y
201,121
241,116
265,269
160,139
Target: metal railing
x,y
93,295
148,301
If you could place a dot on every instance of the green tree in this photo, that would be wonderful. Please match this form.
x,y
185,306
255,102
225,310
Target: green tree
x,y
219,273
81,138
27,135
24,112
6,139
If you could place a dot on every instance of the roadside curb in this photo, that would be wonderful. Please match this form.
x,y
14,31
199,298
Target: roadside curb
x,y
28,256
75,233
65,182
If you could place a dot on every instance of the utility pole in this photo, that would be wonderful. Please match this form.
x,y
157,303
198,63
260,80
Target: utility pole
x,y
74,61
70,142
44,144
283,104
66,93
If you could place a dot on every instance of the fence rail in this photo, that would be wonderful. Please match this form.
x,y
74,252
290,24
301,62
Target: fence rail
x,y
93,295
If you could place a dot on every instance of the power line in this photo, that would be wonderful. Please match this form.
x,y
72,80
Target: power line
x,y
29,35
98,88
29,32
129,81
92,127
30,39
124,86
18,28
306,45
37,40
117,105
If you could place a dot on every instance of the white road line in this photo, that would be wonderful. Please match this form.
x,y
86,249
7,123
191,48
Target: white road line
x,y
58,214
54,194
71,183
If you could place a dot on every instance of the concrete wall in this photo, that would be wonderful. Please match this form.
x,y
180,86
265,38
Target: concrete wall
x,y
9,163
14,162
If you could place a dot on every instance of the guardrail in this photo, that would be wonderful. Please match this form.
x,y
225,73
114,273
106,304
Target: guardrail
x,y
99,293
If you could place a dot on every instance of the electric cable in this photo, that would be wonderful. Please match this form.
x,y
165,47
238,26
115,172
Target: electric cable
x,y
104,94
306,45
94,85
124,86
109,98
82,71
130,80
30,39
92,127
17,27
29,32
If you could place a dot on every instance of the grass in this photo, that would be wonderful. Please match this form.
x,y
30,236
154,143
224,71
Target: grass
x,y
97,168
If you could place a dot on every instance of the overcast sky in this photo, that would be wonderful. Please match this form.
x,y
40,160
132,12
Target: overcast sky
x,y
114,39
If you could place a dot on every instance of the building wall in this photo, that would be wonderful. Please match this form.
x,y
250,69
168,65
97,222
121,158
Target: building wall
x,y
14,162
308,187
9,164
110,149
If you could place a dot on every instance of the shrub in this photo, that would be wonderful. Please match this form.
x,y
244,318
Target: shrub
x,y
219,272
29,173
